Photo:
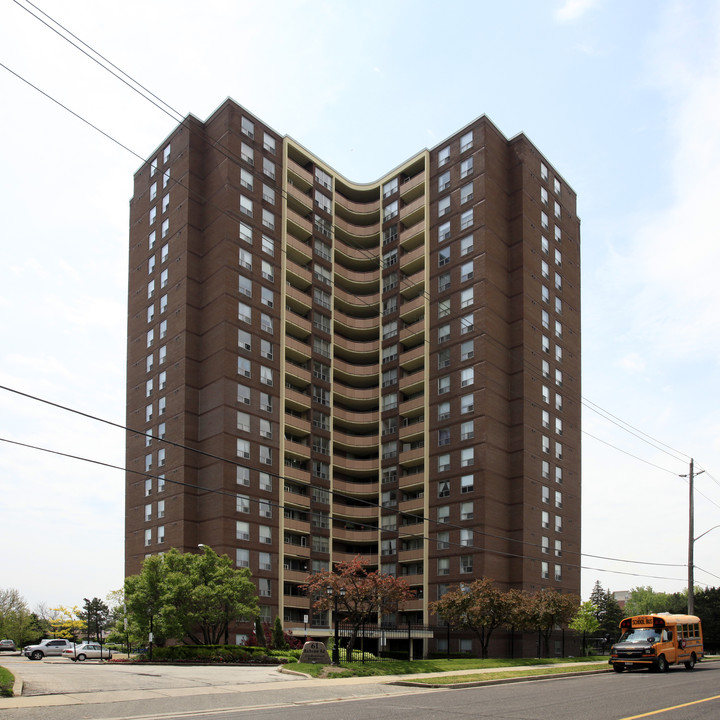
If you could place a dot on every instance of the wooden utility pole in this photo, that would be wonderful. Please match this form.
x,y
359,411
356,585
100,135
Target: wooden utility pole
x,y
691,541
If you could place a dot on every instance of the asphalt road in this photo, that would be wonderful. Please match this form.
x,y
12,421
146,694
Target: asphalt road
x,y
263,694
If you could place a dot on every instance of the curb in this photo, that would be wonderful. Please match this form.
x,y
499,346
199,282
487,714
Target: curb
x,y
498,681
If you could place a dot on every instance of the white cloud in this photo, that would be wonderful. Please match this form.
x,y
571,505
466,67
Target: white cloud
x,y
632,363
573,10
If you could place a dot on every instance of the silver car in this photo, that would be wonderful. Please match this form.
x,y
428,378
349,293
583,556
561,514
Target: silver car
x,y
87,651
47,648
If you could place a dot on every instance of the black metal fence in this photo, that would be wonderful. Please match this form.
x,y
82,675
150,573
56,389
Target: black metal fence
x,y
373,643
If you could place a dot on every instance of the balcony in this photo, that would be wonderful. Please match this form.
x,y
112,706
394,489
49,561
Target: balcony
x,y
413,285
411,360
411,310
412,506
296,473
360,352
361,233
359,375
297,326
413,405
297,197
413,334
370,559
347,441
412,457
297,349
369,489
414,481
363,536
298,175
298,251
357,465
413,260
358,418
357,328
298,226
410,555
300,425
298,276
413,431
368,302
296,400
413,382
413,212
297,299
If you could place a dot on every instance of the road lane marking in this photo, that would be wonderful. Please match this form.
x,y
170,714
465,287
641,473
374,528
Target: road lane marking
x,y
674,707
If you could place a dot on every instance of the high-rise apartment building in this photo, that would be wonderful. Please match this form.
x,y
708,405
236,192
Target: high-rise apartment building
x,y
319,369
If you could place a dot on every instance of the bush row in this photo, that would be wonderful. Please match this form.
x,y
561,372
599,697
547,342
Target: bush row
x,y
220,654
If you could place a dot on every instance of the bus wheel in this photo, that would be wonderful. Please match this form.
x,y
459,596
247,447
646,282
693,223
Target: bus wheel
x,y
618,667
690,664
662,665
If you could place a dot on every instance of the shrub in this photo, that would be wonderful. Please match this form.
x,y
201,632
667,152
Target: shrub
x,y
214,654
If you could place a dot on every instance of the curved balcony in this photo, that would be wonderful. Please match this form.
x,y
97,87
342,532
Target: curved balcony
x,y
357,328
363,353
354,305
413,212
297,349
298,175
299,277
413,236
298,226
297,299
357,208
356,465
413,187
412,285
359,536
370,559
295,473
359,232
295,400
357,375
352,396
358,258
363,279
353,489
411,360
347,442
348,417
358,214
298,250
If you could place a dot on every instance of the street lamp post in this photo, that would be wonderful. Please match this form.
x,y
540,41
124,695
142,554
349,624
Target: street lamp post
x,y
336,646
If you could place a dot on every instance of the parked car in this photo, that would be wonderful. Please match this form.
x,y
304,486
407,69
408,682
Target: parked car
x,y
47,647
87,651
7,645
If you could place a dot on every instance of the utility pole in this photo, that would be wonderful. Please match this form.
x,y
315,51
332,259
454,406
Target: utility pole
x,y
691,540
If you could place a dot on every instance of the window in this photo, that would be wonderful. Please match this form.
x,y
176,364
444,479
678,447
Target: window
x,y
543,171
443,566
389,401
443,462
443,540
467,404
165,202
148,487
545,245
467,483
443,436
558,377
162,354
388,547
558,426
390,210
543,196
444,156
243,448
556,210
443,514
246,205
558,572
153,191
149,363
266,429
266,323
247,127
162,380
545,519
444,282
558,234
148,512
153,214
265,455
467,457
243,394
390,305
444,231
443,257
266,349
558,258
323,178
443,384
467,350
558,523
243,421
466,141
268,194
390,187
466,193
466,219
242,503
544,570
153,167
558,283
444,181
268,219
466,564
466,298
544,222
545,494
265,481
161,509
545,444
466,167
269,143
545,344
466,271
466,511
466,537
390,257
467,323
558,548
151,240
247,154
246,235
244,313
545,394
558,499
242,558
444,410
443,359
467,430
544,269
467,376
443,206
244,340
161,534
443,488
266,375
556,186
266,297
245,285
265,534
545,319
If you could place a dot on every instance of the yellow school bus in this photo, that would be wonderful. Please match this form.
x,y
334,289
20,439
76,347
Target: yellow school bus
x,y
657,641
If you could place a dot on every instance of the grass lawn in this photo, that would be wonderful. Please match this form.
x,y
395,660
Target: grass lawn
x,y
7,679
405,667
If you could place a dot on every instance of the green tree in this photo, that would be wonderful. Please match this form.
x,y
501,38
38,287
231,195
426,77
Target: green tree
x,y
643,600
361,594
96,616
190,596
585,621
607,610
480,607
278,636
16,620
549,608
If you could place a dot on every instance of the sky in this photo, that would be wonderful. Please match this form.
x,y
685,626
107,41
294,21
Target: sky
x,y
622,98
